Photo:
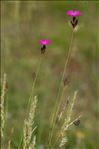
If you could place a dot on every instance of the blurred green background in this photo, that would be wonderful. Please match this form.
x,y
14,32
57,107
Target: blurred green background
x,y
23,24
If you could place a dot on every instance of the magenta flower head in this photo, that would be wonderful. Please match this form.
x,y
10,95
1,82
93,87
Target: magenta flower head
x,y
73,13
44,42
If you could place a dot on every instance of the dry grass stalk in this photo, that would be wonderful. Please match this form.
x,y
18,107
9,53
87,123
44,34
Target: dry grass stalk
x,y
28,126
2,105
9,144
33,143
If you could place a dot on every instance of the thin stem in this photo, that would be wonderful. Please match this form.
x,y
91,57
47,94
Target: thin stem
x,y
34,82
59,91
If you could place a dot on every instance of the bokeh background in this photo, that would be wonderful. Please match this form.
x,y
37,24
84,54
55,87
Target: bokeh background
x,y
23,24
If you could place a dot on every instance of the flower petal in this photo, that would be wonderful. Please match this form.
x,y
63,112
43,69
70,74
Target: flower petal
x,y
73,13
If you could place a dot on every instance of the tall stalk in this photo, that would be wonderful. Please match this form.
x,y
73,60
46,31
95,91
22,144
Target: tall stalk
x,y
58,103
2,114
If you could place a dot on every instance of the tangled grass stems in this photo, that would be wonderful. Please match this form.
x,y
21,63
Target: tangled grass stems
x,y
2,106
61,134
69,112
28,127
58,103
67,122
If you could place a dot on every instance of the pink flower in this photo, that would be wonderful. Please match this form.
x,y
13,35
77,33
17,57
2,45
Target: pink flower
x,y
44,42
73,13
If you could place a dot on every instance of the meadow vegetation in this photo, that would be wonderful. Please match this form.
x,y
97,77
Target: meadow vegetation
x,y
30,118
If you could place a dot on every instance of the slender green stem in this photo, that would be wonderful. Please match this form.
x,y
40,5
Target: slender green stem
x,y
34,82
57,105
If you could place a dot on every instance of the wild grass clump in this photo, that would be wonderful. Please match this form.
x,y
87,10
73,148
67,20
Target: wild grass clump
x,y
60,137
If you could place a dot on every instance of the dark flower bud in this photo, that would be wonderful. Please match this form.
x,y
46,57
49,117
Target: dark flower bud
x,y
74,22
74,18
43,48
